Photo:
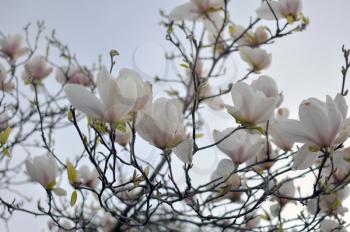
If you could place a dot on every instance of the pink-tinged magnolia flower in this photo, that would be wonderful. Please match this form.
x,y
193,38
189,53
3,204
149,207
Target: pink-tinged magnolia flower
x,y
123,135
251,106
337,166
250,37
257,58
251,220
88,178
162,125
226,181
11,46
119,97
320,125
5,86
4,121
330,204
239,146
289,9
206,10
74,75
328,225
43,169
36,69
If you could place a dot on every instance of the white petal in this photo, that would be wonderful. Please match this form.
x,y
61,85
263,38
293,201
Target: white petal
x,y
293,130
304,159
84,100
187,11
341,104
265,12
184,150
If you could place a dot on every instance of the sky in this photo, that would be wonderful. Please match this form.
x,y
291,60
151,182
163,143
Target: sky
x,y
304,65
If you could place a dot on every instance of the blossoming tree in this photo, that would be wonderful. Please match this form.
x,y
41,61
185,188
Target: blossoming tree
x,y
110,186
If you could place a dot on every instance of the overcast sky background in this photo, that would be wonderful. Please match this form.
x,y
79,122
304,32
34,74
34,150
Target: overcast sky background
x,y
304,65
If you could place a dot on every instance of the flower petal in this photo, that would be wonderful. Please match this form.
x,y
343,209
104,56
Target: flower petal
x,y
304,159
184,150
84,100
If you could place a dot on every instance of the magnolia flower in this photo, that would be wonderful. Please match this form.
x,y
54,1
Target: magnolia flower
x,y
289,9
268,86
277,135
285,189
257,58
251,220
88,178
240,146
4,121
5,86
119,97
330,204
321,125
328,225
337,166
251,106
36,69
249,38
11,46
228,181
206,10
43,169
123,135
262,161
205,90
74,75
108,222
162,125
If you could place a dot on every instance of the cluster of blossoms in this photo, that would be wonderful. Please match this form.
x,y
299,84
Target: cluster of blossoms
x,y
267,153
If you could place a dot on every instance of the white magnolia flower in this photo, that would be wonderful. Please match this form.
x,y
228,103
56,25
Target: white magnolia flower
x,y
278,138
286,189
251,106
337,166
320,125
87,177
239,146
226,181
119,97
36,69
330,204
268,86
74,75
329,225
162,125
11,46
257,58
289,9
262,161
206,10
250,37
123,135
4,121
43,169
5,86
